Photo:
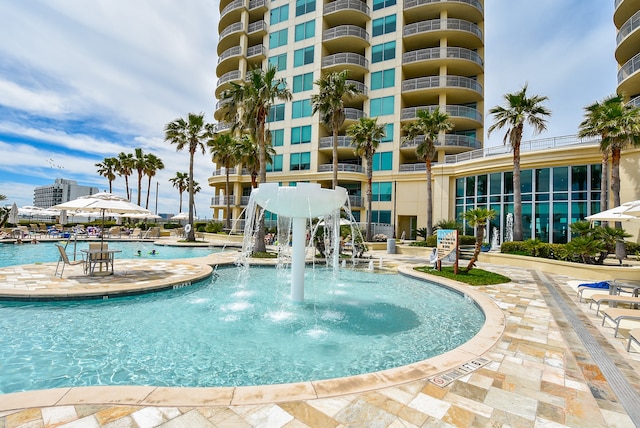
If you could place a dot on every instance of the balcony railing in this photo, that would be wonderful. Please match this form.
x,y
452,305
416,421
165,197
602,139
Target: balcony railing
x,y
327,142
449,140
223,126
413,3
345,58
438,53
452,110
222,171
257,26
629,68
356,201
255,4
237,4
353,113
255,50
234,51
222,200
338,5
342,167
359,86
441,24
634,102
233,28
345,31
628,27
414,167
440,82
526,146
226,77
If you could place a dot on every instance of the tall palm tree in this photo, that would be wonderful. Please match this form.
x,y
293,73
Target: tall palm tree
x,y
428,125
191,134
152,164
124,168
366,135
518,110
225,151
478,218
139,165
248,153
180,182
333,91
247,105
107,169
618,127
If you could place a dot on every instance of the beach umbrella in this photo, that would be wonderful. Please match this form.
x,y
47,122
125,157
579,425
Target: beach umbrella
x,y
13,214
625,212
103,203
181,216
632,208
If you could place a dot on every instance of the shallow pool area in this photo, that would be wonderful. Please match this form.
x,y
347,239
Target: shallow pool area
x,y
237,329
43,252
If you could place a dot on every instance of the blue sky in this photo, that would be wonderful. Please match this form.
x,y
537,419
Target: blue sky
x,y
84,80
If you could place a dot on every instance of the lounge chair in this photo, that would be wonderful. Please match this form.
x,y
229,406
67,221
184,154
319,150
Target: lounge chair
x,y
634,335
602,298
65,261
587,288
617,315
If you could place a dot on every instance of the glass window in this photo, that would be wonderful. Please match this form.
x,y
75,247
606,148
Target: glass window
x,y
381,106
525,181
384,25
279,14
578,211
301,134
383,79
277,39
380,4
279,61
305,30
560,214
382,216
277,137
276,166
301,108
542,180
388,133
596,177
383,52
383,161
495,181
303,82
305,6
381,192
542,222
526,221
560,179
300,161
276,113
303,56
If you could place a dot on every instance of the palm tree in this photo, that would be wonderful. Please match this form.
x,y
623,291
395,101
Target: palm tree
x,y
180,182
191,134
428,125
518,110
124,168
333,91
152,164
225,151
248,153
247,105
366,135
107,169
139,165
478,218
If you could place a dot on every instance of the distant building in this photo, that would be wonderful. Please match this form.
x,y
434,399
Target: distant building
x,y
61,191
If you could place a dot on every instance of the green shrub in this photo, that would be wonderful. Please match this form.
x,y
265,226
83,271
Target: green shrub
x,y
515,247
214,227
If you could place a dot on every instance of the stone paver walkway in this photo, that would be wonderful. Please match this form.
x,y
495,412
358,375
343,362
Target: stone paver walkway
x,y
539,375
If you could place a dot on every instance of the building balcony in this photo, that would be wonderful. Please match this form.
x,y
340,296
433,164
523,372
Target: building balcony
x,y
346,12
223,126
629,77
336,38
353,114
428,61
634,103
257,9
225,79
344,145
342,167
463,117
448,141
219,112
229,60
628,39
413,167
470,10
364,91
356,64
256,50
459,89
356,201
458,32
257,30
221,201
623,10
230,14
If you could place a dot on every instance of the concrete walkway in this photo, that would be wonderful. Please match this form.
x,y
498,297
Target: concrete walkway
x,y
538,373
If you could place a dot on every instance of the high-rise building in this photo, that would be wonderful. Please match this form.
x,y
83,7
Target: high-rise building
x,y
60,191
627,21
404,56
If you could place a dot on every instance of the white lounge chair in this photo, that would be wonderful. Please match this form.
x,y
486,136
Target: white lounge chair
x,y
612,299
617,315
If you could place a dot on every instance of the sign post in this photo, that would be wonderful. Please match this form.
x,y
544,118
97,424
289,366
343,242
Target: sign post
x,y
448,248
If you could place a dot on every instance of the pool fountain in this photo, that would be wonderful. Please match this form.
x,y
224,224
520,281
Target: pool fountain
x,y
299,203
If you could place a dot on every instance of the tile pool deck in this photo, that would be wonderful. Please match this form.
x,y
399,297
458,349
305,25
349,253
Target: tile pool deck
x,y
539,372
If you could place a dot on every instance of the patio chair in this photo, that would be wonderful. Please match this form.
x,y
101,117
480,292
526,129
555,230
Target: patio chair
x,y
612,300
98,258
634,335
618,315
64,259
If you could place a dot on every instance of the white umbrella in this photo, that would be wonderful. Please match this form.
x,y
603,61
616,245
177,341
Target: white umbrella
x,y
625,212
103,203
143,216
181,216
13,214
632,208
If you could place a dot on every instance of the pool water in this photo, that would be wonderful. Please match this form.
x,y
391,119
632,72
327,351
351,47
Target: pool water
x,y
12,254
238,328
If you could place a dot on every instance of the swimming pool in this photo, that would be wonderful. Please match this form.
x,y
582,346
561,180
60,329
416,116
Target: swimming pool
x,y
12,254
238,328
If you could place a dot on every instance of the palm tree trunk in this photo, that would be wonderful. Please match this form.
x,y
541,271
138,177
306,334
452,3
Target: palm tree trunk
x,y
369,192
621,251
517,194
148,192
191,237
139,187
259,244
477,247
604,184
429,199
110,186
180,202
126,183
335,158
227,196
